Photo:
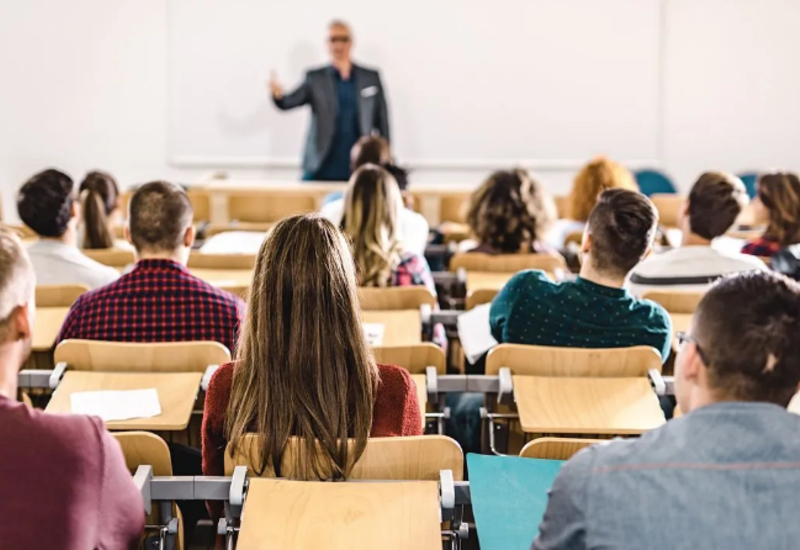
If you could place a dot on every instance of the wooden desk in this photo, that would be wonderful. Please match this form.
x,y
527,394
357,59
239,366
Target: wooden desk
x,y
608,406
401,327
422,394
298,514
46,327
177,393
225,278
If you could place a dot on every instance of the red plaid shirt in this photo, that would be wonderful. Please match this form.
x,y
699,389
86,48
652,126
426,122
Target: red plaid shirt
x,y
159,301
763,247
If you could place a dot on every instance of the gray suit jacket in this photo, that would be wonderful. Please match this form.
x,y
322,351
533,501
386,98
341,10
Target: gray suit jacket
x,y
319,90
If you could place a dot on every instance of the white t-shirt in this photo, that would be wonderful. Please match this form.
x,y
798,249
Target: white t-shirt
x,y
688,269
56,263
414,227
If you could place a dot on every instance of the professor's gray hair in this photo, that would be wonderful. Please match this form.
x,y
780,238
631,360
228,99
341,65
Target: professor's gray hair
x,y
17,280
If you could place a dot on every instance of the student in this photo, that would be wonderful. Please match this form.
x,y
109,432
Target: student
x,y
714,203
100,201
302,343
64,482
725,475
159,301
46,203
375,151
372,222
595,311
597,176
777,205
510,213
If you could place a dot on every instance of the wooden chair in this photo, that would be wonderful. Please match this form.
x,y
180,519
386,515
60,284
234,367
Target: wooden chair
x,y
576,238
573,362
556,448
90,355
113,257
562,205
222,261
418,458
669,208
395,298
58,295
480,296
269,206
217,228
400,310
415,359
506,263
147,449
676,302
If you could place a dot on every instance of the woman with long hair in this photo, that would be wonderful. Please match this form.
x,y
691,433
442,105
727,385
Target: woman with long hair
x,y
303,367
777,205
510,213
100,201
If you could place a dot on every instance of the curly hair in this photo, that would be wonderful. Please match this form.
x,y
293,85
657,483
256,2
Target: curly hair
x,y
599,175
779,192
44,203
510,212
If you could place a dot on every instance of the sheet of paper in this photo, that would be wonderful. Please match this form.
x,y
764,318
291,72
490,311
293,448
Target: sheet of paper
x,y
374,333
117,405
509,497
475,333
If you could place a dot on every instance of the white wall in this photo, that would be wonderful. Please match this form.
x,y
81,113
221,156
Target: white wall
x,y
84,85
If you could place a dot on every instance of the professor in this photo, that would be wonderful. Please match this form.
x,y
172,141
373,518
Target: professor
x,y
347,102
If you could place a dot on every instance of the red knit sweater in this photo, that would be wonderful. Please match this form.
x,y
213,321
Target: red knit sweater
x,y
396,412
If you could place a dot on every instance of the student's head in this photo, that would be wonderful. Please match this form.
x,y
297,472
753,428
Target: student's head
x,y
340,40
160,222
510,211
619,233
17,284
714,203
370,150
599,175
371,221
303,367
100,199
777,204
46,203
743,343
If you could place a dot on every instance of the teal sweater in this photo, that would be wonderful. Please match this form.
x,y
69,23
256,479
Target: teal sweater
x,y
533,310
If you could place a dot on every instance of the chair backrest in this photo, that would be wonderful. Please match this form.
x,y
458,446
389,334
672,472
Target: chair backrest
x,y
562,205
415,359
553,361
575,237
58,295
556,448
90,355
675,301
221,261
669,208
145,448
113,257
418,458
271,206
506,263
395,298
651,182
750,180
480,296
217,228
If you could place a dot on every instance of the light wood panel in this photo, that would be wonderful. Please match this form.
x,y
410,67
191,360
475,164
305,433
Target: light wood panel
x,y
385,458
554,361
395,298
556,448
217,228
113,257
401,328
414,358
608,406
177,393
506,263
232,280
145,449
562,205
58,295
479,297
282,514
46,326
256,207
494,282
90,355
676,302
227,262
669,207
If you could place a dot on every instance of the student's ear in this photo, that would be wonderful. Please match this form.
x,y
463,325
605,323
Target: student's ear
x,y
683,215
75,209
127,232
586,243
647,252
23,322
189,236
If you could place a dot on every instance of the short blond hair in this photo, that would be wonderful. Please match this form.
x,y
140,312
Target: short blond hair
x,y
17,280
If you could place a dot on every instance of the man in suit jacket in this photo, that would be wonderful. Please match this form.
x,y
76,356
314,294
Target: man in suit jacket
x,y
347,102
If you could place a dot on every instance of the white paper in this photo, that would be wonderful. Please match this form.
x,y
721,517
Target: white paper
x,y
475,333
117,405
374,333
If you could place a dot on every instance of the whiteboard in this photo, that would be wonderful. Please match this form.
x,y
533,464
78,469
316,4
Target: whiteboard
x,y
470,83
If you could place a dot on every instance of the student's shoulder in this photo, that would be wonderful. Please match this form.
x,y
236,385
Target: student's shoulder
x,y
69,436
654,311
209,292
531,280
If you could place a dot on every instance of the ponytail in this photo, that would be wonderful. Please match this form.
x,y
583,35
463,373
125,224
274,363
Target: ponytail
x,y
97,234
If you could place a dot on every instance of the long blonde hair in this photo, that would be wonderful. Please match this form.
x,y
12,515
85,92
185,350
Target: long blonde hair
x,y
373,205
600,174
303,367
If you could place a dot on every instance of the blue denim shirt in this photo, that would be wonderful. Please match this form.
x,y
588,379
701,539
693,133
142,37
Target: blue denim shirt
x,y
725,477
336,166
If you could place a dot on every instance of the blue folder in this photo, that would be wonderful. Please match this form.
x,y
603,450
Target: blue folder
x,y
509,497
